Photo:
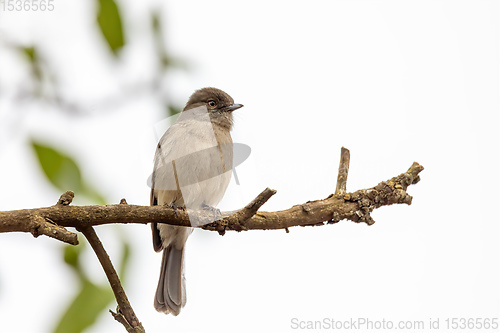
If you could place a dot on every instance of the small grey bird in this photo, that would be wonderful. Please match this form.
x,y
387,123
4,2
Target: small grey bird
x,y
193,164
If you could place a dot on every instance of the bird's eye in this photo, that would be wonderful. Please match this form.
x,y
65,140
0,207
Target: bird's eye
x,y
212,103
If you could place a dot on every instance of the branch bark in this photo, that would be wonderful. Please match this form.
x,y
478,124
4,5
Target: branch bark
x,y
356,206
39,224
345,158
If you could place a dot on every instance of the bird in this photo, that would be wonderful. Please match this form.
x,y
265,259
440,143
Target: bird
x,y
192,170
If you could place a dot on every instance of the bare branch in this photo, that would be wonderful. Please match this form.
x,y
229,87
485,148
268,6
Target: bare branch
x,y
355,206
235,220
36,224
121,319
345,157
43,226
66,198
133,324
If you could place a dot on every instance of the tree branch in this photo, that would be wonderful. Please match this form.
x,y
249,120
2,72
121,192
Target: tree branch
x,y
345,158
38,224
355,206
125,314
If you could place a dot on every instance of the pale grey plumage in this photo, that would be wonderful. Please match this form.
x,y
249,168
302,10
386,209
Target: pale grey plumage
x,y
193,163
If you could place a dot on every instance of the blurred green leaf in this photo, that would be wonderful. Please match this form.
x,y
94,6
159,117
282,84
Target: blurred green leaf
x,y
89,302
63,172
155,22
59,168
92,299
165,60
72,254
85,308
31,53
124,261
163,57
92,194
110,23
72,258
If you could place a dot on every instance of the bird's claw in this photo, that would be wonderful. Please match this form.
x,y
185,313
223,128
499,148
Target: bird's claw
x,y
216,211
175,208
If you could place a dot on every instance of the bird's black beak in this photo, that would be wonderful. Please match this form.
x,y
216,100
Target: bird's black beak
x,y
231,108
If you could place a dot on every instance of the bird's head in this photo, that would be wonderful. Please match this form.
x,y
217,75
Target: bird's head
x,y
219,104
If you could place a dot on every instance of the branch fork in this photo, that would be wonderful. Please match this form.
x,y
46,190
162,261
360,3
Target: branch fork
x,y
356,206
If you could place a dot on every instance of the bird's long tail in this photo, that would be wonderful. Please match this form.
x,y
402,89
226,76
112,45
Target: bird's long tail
x,y
170,294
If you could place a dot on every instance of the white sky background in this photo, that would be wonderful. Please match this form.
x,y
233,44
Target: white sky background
x,y
393,81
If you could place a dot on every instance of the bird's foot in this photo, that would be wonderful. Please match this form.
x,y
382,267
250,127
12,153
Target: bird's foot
x,y
175,208
216,211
